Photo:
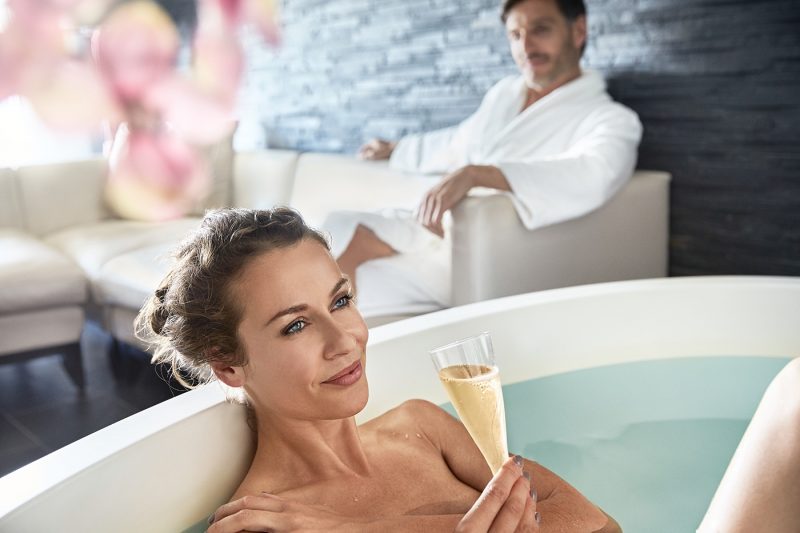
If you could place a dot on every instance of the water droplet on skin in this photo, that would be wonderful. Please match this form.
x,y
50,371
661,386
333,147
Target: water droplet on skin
x,y
406,435
419,436
355,498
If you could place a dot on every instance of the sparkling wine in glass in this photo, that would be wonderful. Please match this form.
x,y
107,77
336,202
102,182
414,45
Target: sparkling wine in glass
x,y
472,380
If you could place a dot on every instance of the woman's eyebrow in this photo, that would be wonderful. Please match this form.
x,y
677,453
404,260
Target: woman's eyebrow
x,y
287,311
339,285
302,307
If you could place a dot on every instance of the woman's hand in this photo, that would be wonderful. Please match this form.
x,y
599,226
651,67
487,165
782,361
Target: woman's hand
x,y
376,149
507,504
266,512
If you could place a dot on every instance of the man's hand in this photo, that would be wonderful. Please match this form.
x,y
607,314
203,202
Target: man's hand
x,y
272,513
506,505
443,197
376,149
452,189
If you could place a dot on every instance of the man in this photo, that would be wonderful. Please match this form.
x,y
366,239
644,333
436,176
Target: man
x,y
551,136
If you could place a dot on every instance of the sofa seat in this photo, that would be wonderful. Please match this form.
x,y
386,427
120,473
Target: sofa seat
x,y
92,245
129,279
35,276
42,293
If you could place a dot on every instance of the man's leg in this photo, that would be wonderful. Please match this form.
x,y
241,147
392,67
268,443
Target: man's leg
x,y
761,489
364,246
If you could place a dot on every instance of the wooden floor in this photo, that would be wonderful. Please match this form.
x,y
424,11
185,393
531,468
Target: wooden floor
x,y
41,409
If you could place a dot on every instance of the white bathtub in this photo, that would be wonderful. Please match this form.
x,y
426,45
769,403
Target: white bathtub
x,y
168,467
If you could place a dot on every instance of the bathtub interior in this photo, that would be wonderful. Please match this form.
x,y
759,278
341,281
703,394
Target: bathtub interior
x,y
165,469
648,441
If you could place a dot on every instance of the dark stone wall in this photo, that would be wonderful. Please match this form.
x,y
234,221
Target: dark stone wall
x,y
715,83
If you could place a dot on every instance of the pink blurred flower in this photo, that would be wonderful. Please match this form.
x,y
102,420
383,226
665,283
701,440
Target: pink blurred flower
x,y
136,47
156,176
261,13
134,87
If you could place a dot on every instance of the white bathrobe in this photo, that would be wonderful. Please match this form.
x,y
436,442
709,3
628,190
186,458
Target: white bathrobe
x,y
563,156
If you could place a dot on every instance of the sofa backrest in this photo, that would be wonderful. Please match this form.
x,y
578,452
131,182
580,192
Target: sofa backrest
x,y
263,179
60,195
10,208
47,198
327,182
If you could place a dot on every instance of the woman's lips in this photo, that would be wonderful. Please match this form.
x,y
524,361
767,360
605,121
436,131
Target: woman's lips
x,y
346,377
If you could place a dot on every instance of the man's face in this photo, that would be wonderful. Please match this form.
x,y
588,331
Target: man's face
x,y
545,46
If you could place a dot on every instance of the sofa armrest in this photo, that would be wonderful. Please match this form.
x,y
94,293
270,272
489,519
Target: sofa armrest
x,y
326,182
495,255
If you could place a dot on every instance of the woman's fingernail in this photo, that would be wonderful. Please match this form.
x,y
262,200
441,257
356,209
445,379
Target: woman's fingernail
x,y
518,460
211,519
527,476
537,517
534,494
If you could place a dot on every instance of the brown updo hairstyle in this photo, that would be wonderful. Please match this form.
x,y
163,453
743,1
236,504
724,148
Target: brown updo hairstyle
x,y
191,319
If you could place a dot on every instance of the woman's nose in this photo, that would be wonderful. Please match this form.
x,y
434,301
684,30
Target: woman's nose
x,y
338,339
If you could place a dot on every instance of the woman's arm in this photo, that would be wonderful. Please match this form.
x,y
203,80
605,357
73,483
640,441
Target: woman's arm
x,y
561,506
505,506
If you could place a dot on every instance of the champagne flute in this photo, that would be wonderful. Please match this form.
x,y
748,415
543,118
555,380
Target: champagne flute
x,y
472,380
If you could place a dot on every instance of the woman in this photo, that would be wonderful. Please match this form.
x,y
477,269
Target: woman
x,y
256,300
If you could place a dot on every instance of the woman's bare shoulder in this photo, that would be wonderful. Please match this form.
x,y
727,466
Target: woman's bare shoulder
x,y
417,410
420,416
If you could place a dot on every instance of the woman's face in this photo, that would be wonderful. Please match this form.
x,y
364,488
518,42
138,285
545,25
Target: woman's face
x,y
303,336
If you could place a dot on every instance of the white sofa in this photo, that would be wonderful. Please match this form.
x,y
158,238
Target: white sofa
x,y
167,468
63,253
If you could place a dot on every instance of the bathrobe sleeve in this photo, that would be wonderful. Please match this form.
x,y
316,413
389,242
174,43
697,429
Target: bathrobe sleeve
x,y
425,153
445,150
598,162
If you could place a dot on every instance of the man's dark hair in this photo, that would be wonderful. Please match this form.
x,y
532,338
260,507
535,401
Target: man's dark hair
x,y
571,9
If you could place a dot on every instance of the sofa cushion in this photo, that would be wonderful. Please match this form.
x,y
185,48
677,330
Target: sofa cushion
x,y
61,195
10,212
31,330
325,182
219,157
92,245
36,276
264,178
129,279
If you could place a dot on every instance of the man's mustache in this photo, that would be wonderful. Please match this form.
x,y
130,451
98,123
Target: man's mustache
x,y
531,57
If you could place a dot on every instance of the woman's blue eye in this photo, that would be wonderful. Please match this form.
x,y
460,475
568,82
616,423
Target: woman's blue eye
x,y
343,301
295,327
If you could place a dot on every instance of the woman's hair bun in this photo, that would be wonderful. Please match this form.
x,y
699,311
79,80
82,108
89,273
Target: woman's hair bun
x,y
158,310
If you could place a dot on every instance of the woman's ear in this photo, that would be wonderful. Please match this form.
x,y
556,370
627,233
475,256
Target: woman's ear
x,y
232,376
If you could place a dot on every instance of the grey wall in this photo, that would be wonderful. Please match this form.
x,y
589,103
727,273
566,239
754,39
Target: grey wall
x,y
352,69
715,83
